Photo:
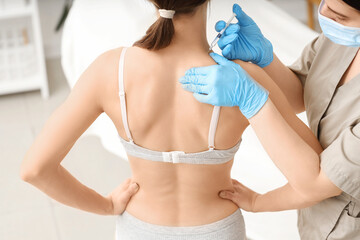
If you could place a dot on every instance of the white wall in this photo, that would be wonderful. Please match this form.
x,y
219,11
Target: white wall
x,y
50,12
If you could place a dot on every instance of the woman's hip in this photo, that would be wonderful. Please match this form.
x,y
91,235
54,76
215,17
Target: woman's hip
x,y
179,208
231,227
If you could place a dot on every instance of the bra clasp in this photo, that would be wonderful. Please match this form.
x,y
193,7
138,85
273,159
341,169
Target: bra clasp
x,y
172,157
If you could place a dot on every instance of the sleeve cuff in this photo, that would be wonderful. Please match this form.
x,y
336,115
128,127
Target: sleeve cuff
x,y
343,172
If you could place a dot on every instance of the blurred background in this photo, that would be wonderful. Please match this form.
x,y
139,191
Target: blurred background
x,y
44,47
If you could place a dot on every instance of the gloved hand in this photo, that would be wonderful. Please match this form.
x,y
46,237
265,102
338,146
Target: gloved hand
x,y
244,40
226,84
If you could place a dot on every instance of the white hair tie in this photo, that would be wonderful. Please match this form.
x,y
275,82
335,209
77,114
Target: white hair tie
x,y
167,13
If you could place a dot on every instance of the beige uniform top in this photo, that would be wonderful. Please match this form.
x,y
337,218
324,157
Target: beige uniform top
x,y
334,117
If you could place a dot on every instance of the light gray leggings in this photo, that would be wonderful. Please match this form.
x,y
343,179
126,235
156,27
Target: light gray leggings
x,y
129,227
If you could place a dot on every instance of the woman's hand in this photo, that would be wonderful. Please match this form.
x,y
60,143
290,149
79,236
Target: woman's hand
x,y
242,196
121,196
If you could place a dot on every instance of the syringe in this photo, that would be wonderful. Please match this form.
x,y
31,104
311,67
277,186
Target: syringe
x,y
213,44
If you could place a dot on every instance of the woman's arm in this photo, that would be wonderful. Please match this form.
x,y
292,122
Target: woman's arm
x,y
280,199
42,167
288,82
292,84
293,157
282,104
293,148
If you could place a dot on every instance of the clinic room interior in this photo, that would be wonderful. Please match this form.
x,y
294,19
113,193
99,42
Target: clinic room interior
x,y
45,45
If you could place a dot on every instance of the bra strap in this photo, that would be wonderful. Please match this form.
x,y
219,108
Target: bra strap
x,y
213,126
122,95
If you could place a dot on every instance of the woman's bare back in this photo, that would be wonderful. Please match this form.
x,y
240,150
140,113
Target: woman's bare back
x,y
162,116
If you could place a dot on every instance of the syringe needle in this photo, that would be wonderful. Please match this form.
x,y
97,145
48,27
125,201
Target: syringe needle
x,y
217,38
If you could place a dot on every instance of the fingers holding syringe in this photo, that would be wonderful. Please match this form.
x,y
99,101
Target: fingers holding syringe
x,y
229,36
226,40
233,27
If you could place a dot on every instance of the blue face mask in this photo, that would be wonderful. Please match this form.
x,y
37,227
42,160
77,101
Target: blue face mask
x,y
338,33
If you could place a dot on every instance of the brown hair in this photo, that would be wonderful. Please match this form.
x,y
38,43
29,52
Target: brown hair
x,y
353,3
160,34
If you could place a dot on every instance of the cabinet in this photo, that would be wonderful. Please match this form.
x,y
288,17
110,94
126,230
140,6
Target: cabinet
x,y
310,7
22,61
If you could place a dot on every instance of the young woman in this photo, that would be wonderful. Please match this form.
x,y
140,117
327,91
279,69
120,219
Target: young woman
x,y
180,151
325,82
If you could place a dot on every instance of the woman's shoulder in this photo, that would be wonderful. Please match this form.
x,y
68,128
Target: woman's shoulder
x,y
104,69
253,70
247,66
109,56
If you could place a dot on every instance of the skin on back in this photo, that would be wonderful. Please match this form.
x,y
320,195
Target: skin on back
x,y
162,116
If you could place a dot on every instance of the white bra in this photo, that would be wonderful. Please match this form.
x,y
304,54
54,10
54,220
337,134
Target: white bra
x,y
210,156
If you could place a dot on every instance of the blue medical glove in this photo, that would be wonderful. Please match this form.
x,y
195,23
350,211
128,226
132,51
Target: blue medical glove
x,y
244,40
226,84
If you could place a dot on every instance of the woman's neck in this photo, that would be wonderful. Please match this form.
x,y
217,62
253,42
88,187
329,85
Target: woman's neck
x,y
190,31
